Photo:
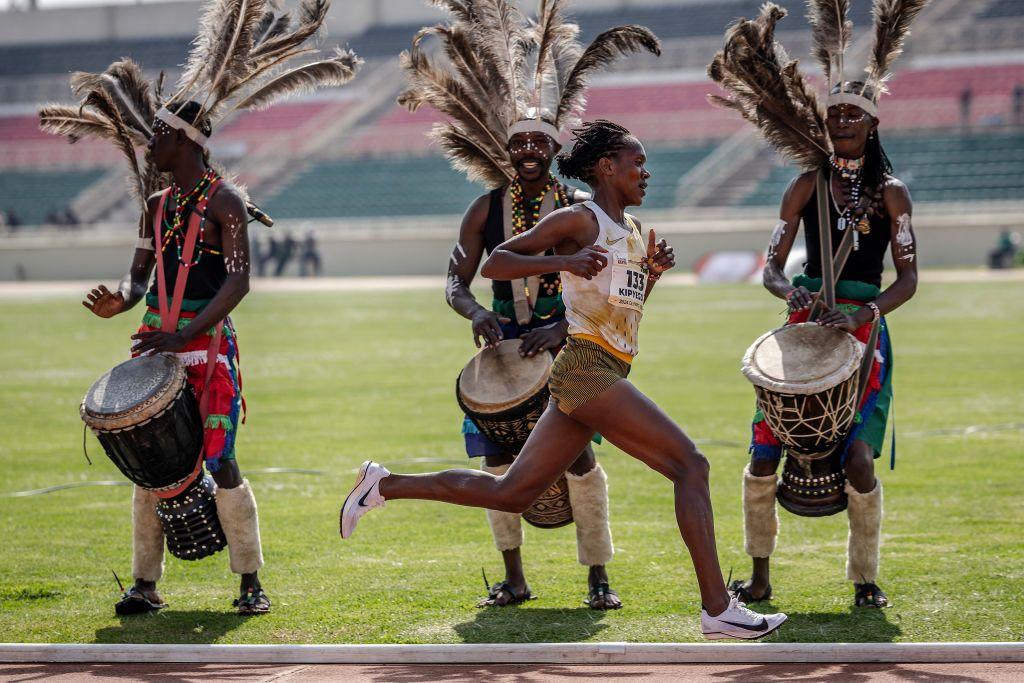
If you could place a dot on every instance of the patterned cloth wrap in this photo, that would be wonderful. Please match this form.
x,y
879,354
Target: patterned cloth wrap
x,y
872,415
547,310
225,403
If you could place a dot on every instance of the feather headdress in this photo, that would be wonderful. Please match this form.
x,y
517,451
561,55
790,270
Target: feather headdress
x,y
766,88
499,74
239,60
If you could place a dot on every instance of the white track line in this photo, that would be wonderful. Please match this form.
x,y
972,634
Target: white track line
x,y
530,653
34,289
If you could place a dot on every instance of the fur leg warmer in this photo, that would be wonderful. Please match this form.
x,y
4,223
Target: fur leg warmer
x,y
865,513
147,536
236,509
588,494
507,527
760,519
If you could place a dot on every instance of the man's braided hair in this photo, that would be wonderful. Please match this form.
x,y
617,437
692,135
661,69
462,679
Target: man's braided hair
x,y
592,141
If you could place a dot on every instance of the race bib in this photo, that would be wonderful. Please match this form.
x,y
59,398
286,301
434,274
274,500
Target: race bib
x,y
629,282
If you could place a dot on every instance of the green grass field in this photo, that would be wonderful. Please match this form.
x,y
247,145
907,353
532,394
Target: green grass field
x,y
334,378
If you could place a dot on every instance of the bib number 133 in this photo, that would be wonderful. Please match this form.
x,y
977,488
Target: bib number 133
x,y
628,284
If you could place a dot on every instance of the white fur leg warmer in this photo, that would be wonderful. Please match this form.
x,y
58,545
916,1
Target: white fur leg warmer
x,y
589,497
865,513
507,527
147,536
236,509
760,519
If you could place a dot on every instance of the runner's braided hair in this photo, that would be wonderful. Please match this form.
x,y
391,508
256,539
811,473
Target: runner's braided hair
x,y
592,141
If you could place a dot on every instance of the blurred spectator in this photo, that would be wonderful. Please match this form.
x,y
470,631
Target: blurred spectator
x,y
965,106
271,255
1018,105
256,254
286,249
13,221
1006,250
309,260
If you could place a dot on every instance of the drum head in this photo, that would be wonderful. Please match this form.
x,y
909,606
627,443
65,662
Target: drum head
x,y
133,391
805,358
497,379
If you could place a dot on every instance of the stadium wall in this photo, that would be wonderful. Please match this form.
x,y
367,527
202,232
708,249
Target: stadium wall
x,y
948,236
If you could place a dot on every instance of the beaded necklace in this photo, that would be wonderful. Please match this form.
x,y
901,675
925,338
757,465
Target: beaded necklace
x,y
851,177
175,221
526,214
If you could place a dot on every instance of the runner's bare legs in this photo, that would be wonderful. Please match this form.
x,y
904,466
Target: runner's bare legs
x,y
629,420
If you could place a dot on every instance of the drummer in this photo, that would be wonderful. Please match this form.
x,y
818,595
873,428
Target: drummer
x,y
217,281
858,168
530,309
608,272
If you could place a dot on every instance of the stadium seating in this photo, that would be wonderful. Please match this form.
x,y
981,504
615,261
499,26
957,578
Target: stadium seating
x,y
412,186
937,168
34,195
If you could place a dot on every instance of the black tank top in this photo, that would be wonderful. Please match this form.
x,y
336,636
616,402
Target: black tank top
x,y
494,235
205,278
865,264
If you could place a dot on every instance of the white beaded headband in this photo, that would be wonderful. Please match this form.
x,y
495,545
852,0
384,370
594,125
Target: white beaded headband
x,y
178,123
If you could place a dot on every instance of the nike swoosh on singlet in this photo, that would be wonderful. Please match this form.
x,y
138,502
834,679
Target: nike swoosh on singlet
x,y
610,241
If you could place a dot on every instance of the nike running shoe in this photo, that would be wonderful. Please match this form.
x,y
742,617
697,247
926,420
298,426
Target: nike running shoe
x,y
363,497
739,622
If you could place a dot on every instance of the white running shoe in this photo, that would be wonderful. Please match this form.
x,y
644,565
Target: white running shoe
x,y
363,497
739,622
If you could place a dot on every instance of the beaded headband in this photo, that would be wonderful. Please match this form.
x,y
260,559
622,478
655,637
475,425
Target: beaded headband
x,y
533,126
854,99
178,123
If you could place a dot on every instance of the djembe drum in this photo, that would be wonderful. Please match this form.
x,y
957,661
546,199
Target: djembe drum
x,y
147,420
504,395
805,378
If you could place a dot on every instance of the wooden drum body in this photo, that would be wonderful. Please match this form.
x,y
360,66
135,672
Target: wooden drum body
x,y
504,395
147,420
805,379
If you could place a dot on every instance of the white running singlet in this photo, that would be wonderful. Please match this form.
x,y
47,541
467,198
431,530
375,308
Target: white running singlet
x,y
607,309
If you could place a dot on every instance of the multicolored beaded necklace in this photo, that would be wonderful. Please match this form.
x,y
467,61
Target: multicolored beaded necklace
x,y
521,207
851,176
526,214
174,222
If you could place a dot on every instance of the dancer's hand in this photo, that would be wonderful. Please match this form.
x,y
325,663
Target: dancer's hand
x,y
587,262
103,302
158,342
799,299
541,339
487,325
660,256
838,320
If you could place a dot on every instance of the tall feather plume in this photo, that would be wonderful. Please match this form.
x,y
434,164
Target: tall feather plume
x,y
462,10
466,154
767,89
234,62
332,72
502,37
127,88
311,18
479,78
892,26
444,92
104,105
73,123
831,32
216,14
606,48
271,26
552,33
